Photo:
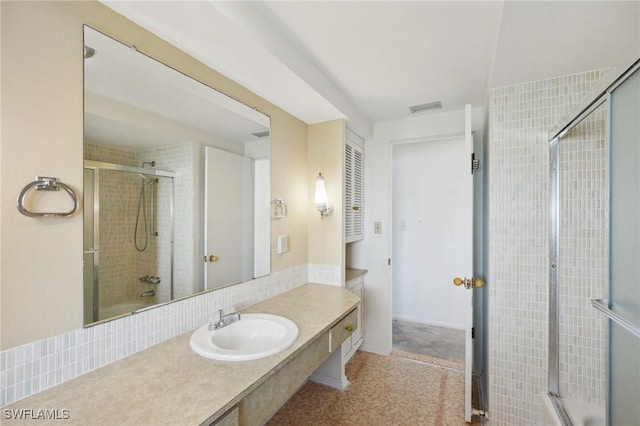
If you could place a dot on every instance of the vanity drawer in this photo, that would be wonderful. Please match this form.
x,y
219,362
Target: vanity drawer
x,y
339,332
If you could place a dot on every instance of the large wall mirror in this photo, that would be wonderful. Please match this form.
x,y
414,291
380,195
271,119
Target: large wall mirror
x,y
176,184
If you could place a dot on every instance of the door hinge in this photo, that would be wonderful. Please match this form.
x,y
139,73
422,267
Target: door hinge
x,y
475,164
473,332
389,261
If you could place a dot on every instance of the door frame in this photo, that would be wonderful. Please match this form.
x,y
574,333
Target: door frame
x,y
457,137
480,308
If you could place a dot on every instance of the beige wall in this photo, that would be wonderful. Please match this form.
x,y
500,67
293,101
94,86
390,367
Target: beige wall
x,y
326,236
42,110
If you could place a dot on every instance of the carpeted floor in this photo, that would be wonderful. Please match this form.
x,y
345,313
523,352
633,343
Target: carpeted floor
x,y
431,340
385,390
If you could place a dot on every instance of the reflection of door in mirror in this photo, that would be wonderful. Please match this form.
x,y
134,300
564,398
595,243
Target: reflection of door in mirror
x,y
141,118
228,211
262,206
235,200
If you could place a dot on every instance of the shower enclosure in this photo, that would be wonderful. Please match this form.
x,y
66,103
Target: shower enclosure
x,y
128,235
594,354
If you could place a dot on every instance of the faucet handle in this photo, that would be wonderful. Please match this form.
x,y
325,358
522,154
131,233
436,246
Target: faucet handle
x,y
215,319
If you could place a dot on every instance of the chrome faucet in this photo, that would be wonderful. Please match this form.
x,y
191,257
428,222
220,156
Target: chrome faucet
x,y
149,293
223,320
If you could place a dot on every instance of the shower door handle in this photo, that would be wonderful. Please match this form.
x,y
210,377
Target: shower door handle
x,y
468,282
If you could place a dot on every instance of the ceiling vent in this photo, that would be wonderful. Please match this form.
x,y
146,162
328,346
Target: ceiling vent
x,y
425,107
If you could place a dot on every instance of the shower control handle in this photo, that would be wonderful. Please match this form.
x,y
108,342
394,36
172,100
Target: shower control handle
x,y
150,279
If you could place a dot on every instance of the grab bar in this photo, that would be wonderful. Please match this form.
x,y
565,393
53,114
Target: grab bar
x,y
43,183
603,306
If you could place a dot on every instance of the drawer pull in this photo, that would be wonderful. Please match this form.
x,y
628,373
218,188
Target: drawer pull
x,y
349,328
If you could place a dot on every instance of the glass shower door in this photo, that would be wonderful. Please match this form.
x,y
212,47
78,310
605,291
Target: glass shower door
x,y
624,290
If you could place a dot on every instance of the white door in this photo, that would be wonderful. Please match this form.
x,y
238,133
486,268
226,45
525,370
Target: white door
x,y
433,235
466,265
228,228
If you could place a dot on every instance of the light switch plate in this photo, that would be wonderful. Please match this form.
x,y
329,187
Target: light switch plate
x,y
377,228
282,244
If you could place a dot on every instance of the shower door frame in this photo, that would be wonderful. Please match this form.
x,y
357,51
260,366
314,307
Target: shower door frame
x,y
600,96
96,166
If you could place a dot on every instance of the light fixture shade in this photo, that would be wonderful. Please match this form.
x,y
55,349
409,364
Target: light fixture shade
x,y
321,194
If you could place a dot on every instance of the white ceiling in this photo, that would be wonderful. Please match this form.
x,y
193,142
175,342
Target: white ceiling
x,y
369,61
133,102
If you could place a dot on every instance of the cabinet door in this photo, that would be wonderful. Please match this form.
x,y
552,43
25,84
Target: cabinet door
x,y
354,190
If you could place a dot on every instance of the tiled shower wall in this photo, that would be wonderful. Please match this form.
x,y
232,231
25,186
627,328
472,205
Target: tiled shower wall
x,y
179,159
520,119
583,258
109,154
120,263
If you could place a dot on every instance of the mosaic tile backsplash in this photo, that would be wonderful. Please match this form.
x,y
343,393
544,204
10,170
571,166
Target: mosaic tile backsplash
x,y
34,367
520,118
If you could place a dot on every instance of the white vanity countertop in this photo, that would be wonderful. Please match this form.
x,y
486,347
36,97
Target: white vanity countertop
x,y
170,384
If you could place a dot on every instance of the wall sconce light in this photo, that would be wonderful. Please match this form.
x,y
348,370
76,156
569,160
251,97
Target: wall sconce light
x,y
322,205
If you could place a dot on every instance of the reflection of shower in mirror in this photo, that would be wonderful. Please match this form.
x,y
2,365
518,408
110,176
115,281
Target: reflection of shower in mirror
x,y
144,220
124,202
139,114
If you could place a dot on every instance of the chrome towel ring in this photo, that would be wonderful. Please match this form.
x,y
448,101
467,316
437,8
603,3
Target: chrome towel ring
x,y
43,183
279,208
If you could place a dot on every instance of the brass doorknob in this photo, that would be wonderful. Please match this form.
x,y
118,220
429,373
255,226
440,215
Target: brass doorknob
x,y
211,258
468,282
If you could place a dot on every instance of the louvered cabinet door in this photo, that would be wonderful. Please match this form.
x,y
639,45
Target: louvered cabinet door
x,y
354,190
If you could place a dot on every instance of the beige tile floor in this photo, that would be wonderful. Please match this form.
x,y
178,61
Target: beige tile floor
x,y
385,390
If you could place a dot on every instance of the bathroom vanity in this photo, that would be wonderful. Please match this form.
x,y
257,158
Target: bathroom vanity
x,y
354,282
170,384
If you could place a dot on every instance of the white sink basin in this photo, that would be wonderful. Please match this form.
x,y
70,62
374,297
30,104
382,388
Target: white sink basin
x,y
254,336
